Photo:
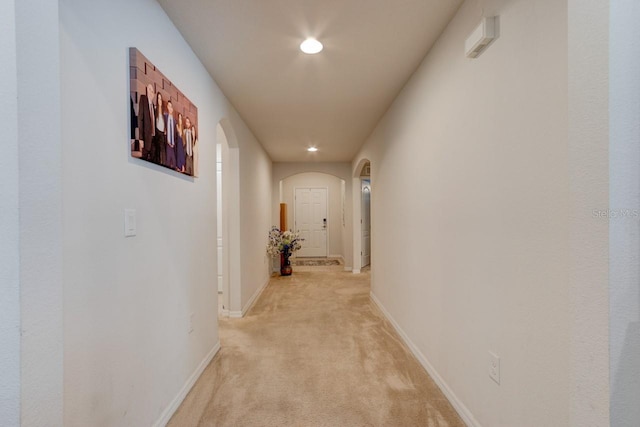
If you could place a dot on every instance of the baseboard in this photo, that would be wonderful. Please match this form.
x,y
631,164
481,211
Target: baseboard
x,y
348,269
355,270
457,404
255,297
239,314
175,403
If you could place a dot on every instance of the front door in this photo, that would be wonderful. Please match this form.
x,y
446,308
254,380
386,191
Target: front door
x,y
311,221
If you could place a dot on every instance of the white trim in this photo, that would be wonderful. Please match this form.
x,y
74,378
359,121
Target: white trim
x,y
348,268
250,303
355,270
336,256
457,404
175,403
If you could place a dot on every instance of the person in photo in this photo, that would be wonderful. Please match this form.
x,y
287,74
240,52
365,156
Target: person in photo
x,y
188,140
158,155
180,146
170,124
194,135
146,122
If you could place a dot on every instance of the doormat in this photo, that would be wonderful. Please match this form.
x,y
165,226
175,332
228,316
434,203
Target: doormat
x,y
316,262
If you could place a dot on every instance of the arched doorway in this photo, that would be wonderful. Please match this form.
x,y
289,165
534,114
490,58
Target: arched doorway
x,y
321,197
362,236
228,220
365,222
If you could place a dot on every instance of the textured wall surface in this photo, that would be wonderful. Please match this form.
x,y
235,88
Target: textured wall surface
x,y
470,214
588,197
130,302
9,223
254,191
624,228
40,178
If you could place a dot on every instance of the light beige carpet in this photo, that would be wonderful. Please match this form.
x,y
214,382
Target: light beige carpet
x,y
314,351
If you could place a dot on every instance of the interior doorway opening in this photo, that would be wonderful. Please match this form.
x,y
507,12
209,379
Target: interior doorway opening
x,y
365,223
222,222
365,215
362,186
228,225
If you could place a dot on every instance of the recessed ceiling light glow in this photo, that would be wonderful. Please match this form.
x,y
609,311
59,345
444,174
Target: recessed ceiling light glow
x,y
311,46
312,149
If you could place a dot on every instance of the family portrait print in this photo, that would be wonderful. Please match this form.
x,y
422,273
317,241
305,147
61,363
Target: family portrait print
x,y
164,123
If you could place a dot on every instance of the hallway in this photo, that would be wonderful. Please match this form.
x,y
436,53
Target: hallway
x,y
314,351
501,143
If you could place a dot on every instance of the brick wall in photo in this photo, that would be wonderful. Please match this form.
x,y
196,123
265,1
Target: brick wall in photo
x,y
143,72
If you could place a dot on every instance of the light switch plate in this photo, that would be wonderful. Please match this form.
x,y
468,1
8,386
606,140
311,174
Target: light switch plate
x,y
130,222
494,367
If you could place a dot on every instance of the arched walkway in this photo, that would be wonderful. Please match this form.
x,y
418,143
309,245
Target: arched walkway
x,y
362,169
341,171
335,188
229,224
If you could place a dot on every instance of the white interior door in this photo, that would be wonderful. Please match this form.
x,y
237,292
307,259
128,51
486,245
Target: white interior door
x,y
366,223
311,221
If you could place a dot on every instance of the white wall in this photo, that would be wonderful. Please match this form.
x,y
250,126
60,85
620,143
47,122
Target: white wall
x,y
9,223
588,168
470,214
255,201
40,174
282,170
334,207
624,169
128,301
30,218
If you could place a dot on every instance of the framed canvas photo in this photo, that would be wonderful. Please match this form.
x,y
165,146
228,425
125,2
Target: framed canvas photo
x,y
164,122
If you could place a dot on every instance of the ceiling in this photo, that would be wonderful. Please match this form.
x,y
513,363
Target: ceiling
x,y
291,100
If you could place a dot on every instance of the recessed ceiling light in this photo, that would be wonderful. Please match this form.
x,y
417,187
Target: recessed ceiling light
x,y
312,149
311,46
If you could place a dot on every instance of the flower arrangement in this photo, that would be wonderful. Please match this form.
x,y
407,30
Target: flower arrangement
x,y
283,242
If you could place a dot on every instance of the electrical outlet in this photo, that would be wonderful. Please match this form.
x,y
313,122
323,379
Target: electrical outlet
x,y
191,323
494,367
